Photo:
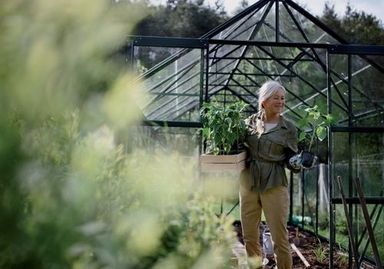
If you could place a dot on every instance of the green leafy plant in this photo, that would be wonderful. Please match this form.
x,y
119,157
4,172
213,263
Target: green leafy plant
x,y
314,125
320,253
223,126
65,102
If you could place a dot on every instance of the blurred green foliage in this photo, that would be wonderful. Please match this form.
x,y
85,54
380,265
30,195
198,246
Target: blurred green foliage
x,y
71,196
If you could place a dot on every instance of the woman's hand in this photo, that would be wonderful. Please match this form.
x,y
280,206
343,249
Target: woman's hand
x,y
303,160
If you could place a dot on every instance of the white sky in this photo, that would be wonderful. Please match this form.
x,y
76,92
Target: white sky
x,y
374,7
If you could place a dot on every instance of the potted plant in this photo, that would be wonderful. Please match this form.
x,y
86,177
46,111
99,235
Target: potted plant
x,y
223,130
312,126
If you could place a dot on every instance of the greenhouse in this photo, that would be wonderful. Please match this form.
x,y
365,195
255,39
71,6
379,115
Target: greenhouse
x,y
342,199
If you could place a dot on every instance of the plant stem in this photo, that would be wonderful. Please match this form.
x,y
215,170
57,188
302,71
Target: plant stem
x,y
312,137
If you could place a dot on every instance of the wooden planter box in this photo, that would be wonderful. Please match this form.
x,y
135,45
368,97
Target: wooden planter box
x,y
211,163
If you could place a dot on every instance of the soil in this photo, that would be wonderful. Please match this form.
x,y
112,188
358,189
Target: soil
x,y
315,252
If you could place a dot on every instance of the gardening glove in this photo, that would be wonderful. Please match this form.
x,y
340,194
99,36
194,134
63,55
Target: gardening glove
x,y
303,160
295,161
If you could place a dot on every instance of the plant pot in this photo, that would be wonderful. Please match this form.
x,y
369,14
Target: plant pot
x,y
217,163
308,159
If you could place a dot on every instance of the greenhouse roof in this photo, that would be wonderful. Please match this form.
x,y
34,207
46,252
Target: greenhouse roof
x,y
270,40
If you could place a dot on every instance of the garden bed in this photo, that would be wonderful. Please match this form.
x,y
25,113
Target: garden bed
x,y
315,252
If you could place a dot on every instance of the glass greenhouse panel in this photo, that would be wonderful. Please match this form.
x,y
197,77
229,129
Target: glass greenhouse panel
x,y
223,59
245,27
175,90
145,58
170,139
339,96
173,68
341,152
360,231
266,33
359,155
174,109
339,89
291,27
367,93
359,225
368,162
310,198
236,28
296,194
377,222
341,227
308,30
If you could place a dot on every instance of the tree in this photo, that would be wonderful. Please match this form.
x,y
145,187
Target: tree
x,y
181,18
243,5
178,18
355,26
330,17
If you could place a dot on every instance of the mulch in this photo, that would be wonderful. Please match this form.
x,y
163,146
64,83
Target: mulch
x,y
314,251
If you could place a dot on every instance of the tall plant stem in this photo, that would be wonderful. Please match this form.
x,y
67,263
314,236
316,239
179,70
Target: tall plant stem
x,y
312,137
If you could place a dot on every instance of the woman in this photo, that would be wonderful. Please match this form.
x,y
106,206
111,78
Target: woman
x,y
271,140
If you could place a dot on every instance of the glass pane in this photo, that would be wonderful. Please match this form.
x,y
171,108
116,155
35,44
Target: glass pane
x,y
243,28
169,139
174,90
368,162
310,198
367,92
147,57
313,33
289,26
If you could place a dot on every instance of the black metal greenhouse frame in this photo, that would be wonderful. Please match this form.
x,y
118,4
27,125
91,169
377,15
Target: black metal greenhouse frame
x,y
209,46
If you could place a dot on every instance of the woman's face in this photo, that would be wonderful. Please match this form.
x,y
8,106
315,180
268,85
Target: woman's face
x,y
275,104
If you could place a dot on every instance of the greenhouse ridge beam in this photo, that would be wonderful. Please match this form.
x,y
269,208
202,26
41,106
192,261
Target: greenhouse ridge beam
x,y
270,43
203,43
357,49
259,58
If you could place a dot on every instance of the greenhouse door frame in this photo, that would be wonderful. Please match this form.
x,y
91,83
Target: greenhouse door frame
x,y
349,51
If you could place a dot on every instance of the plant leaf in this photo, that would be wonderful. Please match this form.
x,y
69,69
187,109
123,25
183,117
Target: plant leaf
x,y
302,136
321,133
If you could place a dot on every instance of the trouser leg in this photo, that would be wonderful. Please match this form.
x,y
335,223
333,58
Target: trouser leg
x,y
275,203
250,214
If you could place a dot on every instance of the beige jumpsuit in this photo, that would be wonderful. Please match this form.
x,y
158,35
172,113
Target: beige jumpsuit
x,y
263,186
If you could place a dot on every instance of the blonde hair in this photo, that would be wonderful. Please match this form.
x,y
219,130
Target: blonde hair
x,y
266,90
